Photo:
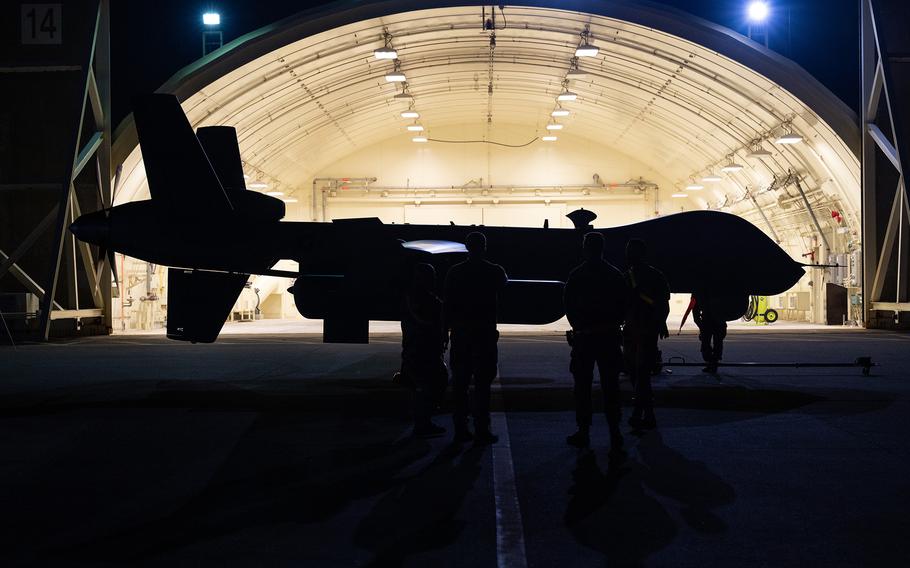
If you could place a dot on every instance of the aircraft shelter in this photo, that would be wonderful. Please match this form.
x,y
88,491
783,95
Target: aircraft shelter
x,y
500,117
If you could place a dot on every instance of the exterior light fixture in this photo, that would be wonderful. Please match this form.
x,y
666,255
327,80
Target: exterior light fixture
x,y
549,138
211,19
560,112
258,185
274,193
410,113
554,126
386,51
758,11
396,76
415,128
712,178
419,139
586,49
680,195
731,166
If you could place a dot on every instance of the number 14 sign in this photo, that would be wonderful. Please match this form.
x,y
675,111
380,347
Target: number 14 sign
x,y
42,24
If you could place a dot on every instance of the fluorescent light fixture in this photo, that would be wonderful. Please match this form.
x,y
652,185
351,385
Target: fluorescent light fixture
x,y
274,193
404,96
549,139
566,96
711,178
415,128
678,195
410,114
758,11
790,138
560,112
694,187
419,139
396,77
258,185
211,19
385,53
586,50
554,126
290,200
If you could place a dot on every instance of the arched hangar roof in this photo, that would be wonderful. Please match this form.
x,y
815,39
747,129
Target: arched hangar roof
x,y
679,93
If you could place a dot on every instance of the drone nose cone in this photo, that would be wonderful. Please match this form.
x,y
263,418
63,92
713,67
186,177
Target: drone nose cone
x,y
92,228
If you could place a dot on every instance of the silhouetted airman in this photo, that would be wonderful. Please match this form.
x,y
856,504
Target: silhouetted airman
x,y
595,298
712,329
470,304
422,344
646,321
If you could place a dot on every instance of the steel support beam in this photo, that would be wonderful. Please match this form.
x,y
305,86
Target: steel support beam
x,y
885,41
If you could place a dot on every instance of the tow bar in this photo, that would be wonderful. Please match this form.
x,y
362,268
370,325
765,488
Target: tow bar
x,y
865,363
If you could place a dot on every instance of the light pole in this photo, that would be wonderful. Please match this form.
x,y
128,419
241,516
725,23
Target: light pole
x,y
211,33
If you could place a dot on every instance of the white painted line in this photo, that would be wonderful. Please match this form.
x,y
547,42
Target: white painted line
x,y
510,540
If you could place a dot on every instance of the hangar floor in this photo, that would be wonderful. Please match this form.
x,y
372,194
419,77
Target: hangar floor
x,y
280,450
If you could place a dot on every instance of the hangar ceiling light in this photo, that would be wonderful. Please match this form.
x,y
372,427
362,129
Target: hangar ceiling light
x,y
586,49
415,128
680,195
549,138
567,95
396,76
410,114
790,138
712,178
419,139
560,112
274,193
731,166
554,126
386,52
258,185
695,187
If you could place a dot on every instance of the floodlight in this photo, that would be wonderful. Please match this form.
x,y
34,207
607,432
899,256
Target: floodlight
x,y
758,11
211,19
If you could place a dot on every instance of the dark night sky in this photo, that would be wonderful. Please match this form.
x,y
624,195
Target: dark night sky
x,y
153,40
